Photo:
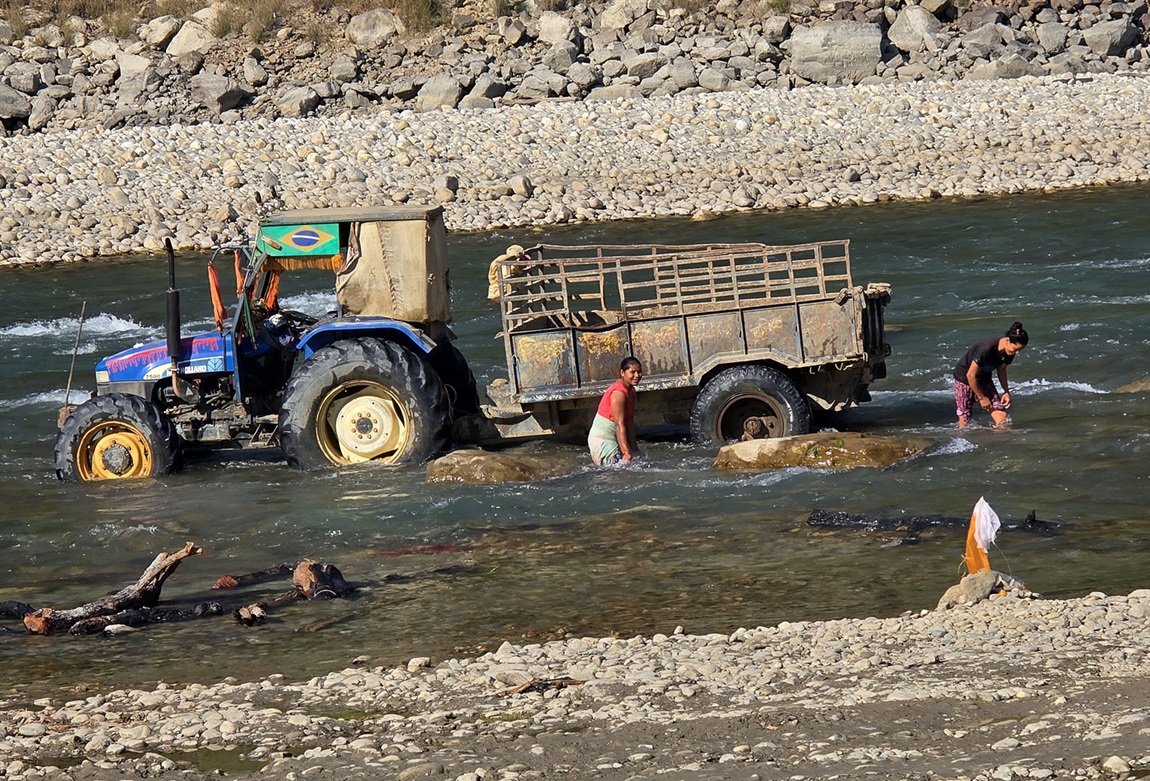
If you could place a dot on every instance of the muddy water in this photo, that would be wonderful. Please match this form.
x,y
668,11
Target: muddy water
x,y
449,570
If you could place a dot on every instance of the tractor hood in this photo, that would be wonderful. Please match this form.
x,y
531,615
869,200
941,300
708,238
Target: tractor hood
x,y
207,353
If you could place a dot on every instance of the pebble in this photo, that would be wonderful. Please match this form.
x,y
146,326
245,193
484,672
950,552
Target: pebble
x,y
79,194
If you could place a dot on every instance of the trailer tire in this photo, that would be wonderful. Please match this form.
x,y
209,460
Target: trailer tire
x,y
363,400
116,437
734,395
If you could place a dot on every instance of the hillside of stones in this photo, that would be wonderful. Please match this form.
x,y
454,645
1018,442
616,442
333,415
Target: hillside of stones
x,y
174,70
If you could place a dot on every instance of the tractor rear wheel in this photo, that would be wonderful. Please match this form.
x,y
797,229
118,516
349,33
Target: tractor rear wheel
x,y
363,400
116,437
759,401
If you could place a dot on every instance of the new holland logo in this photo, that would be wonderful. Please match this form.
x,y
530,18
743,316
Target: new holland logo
x,y
306,238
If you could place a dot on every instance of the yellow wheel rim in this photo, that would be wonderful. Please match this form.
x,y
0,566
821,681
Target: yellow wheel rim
x,y
362,421
114,451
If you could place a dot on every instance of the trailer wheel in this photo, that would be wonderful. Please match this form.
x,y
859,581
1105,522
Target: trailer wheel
x,y
756,400
116,437
363,400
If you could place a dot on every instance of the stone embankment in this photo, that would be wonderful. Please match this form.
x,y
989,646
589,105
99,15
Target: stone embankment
x,y
82,193
1010,688
641,109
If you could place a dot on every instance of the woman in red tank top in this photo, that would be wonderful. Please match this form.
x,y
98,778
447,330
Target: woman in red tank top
x,y
612,437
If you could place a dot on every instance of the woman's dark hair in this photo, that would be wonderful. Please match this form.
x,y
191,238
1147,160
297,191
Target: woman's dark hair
x,y
628,362
1017,334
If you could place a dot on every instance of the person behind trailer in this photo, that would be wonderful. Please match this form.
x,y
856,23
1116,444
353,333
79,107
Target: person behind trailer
x,y
612,437
973,375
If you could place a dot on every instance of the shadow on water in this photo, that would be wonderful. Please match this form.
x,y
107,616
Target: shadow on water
x,y
446,570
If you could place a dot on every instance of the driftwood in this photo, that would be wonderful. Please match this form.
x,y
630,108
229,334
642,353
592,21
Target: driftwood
x,y
137,617
916,523
144,593
135,605
263,576
15,610
541,685
320,581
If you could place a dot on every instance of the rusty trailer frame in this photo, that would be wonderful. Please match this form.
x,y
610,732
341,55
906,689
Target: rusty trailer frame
x,y
570,313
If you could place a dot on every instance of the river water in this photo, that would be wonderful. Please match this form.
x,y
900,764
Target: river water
x,y
445,570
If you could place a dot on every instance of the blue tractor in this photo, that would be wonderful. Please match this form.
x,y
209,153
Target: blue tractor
x,y
379,381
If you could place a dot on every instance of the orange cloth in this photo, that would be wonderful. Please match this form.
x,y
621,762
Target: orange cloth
x,y
218,309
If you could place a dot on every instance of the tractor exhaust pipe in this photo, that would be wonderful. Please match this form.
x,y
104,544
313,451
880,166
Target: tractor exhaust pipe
x,y
171,314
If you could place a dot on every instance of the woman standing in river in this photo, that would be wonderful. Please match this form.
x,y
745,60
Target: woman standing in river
x,y
973,375
612,437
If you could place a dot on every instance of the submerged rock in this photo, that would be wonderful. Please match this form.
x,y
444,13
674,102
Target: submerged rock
x,y
827,450
483,466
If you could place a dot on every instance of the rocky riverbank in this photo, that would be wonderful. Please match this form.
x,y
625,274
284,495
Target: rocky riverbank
x,y
83,193
1013,687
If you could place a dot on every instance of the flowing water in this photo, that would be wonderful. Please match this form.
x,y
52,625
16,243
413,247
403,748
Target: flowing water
x,y
454,569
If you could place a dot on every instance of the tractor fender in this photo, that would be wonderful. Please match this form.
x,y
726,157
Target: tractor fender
x,y
328,333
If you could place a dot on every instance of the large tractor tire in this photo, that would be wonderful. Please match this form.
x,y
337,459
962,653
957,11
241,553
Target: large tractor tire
x,y
363,400
756,400
116,437
457,378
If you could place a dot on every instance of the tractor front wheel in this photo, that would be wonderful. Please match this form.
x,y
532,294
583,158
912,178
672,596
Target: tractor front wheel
x,y
116,437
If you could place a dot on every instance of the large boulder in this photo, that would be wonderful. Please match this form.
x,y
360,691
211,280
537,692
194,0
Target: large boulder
x,y
440,90
915,29
192,37
837,52
13,104
372,29
482,466
1109,39
217,93
825,450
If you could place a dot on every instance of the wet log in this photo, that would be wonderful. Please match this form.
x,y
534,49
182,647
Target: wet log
x,y
13,609
138,617
145,592
263,576
315,580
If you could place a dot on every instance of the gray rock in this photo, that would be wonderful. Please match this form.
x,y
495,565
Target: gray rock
x,y
915,29
1052,37
836,52
561,56
556,28
487,86
643,65
217,93
440,90
13,104
343,69
192,37
713,79
1109,39
984,41
521,185
776,28
43,109
513,31
614,92
5,33
159,32
297,102
24,77
372,29
1009,66
132,65
620,13
254,73
682,73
